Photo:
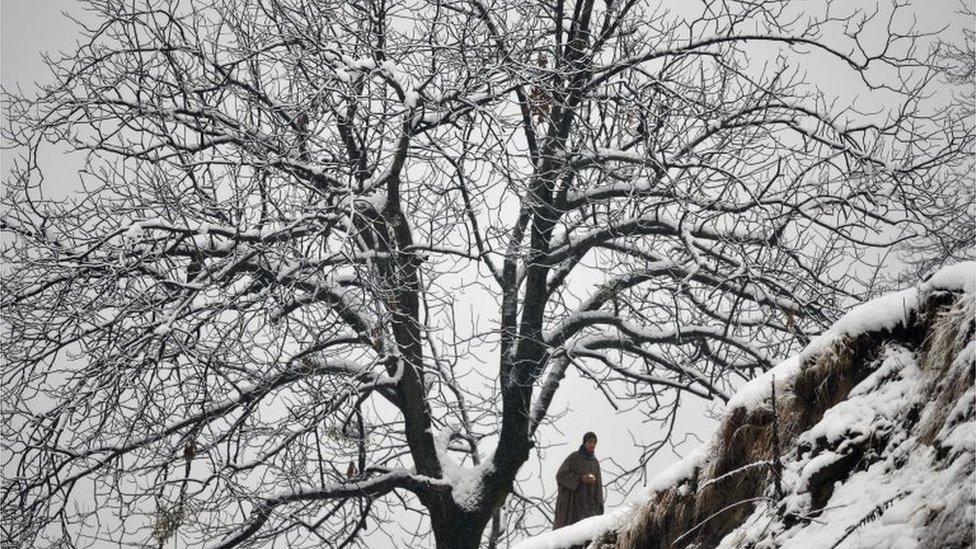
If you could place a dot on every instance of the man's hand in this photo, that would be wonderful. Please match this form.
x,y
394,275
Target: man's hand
x,y
588,479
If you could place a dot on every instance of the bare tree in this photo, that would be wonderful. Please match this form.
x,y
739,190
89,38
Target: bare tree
x,y
257,322
954,238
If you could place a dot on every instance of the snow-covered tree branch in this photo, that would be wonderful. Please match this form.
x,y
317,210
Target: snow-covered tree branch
x,y
380,233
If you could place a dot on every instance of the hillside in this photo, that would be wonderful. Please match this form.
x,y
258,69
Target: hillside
x,y
864,439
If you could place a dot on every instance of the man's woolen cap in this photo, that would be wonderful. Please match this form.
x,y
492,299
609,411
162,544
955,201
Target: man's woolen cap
x,y
590,435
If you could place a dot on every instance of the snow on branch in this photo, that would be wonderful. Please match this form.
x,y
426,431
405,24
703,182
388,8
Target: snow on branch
x,y
371,488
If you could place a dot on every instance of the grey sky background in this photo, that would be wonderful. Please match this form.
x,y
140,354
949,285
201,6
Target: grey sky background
x,y
30,27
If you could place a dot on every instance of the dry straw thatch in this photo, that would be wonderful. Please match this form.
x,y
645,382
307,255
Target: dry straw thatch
x,y
740,464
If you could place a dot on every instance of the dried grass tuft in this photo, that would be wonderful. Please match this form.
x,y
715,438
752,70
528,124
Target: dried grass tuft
x,y
730,479
951,331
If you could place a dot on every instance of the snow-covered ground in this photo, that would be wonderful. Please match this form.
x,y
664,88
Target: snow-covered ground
x,y
902,444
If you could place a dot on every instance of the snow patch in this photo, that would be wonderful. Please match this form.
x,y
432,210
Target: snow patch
x,y
757,390
813,466
411,99
882,313
888,499
961,276
466,482
875,401
677,472
580,532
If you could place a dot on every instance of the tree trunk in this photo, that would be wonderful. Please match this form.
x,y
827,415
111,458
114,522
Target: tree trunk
x,y
459,529
496,529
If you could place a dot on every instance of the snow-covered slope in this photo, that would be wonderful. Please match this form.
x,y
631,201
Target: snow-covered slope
x,y
871,436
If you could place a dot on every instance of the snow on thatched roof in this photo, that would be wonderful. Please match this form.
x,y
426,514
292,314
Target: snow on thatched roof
x,y
875,418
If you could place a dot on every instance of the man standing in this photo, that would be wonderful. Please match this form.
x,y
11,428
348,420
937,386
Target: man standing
x,y
580,485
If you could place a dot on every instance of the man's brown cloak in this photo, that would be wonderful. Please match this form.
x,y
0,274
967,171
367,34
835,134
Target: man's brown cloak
x,y
577,500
